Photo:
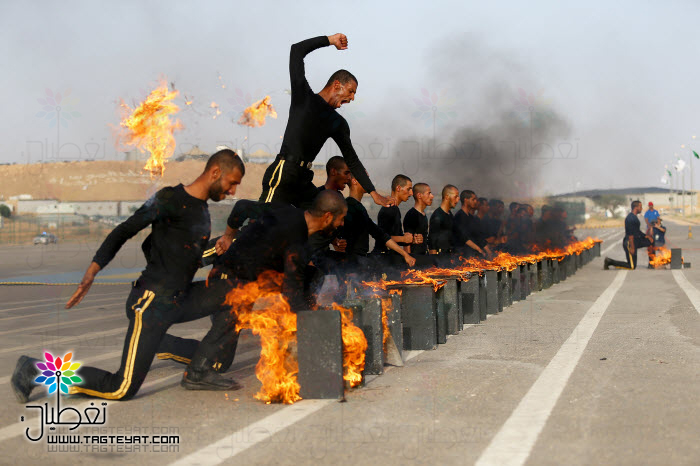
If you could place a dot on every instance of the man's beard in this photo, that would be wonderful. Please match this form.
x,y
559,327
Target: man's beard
x,y
216,191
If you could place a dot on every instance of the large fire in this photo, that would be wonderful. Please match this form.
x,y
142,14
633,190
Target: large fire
x,y
354,347
661,258
276,325
150,126
255,115
261,307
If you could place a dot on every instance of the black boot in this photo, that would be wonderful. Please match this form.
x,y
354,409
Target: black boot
x,y
23,378
200,375
606,264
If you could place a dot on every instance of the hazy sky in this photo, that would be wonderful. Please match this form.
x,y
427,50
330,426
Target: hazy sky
x,y
621,78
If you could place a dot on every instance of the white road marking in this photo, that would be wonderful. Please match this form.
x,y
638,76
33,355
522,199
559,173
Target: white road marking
x,y
253,434
148,387
514,441
232,445
605,251
690,291
63,301
59,299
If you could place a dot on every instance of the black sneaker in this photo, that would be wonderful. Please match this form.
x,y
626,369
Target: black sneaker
x,y
207,380
22,380
606,263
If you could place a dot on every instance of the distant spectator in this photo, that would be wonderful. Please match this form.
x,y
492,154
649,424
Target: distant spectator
x,y
650,216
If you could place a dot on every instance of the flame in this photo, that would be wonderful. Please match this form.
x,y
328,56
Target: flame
x,y
254,115
464,267
386,307
662,257
149,127
276,325
354,347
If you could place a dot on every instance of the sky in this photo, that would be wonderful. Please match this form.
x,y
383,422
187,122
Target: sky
x,y
522,98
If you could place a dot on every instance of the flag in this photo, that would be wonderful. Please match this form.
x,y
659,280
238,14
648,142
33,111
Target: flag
x,y
668,172
696,155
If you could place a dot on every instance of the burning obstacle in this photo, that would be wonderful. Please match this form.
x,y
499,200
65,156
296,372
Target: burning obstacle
x,y
321,353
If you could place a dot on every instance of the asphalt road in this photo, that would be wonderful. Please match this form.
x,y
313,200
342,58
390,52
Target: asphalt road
x,y
603,368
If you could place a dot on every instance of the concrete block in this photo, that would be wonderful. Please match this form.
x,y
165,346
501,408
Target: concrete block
x,y
676,258
492,292
470,301
419,317
320,354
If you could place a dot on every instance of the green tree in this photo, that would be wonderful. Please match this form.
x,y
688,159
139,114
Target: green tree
x,y
610,201
5,211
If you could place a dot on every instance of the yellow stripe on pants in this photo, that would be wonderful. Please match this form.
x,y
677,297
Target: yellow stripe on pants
x,y
280,167
131,355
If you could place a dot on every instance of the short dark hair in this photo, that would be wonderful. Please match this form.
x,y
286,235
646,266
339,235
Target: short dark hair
x,y
226,160
634,203
483,200
335,163
466,194
419,188
513,206
447,189
328,200
342,76
399,180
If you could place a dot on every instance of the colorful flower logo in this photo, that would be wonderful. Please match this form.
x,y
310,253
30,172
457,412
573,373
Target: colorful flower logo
x,y
434,108
58,372
532,108
57,107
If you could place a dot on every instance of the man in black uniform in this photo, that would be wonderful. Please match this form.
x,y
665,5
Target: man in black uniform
x,y
468,238
277,241
634,238
440,239
416,222
164,294
357,229
312,120
389,218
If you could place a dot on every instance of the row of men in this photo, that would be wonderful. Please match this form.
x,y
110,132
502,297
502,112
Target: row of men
x,y
477,228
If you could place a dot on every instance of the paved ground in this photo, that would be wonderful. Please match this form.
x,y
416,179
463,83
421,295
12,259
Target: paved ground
x,y
603,368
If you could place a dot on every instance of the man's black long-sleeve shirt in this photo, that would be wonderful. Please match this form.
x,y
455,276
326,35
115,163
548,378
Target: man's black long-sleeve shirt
x,y
276,241
466,227
389,220
358,228
440,237
180,229
312,121
416,222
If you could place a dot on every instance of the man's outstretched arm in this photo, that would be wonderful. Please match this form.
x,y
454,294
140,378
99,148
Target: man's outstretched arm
x,y
297,73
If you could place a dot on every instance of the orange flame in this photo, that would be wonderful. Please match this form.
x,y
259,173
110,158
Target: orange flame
x,y
662,257
149,127
276,325
254,115
386,307
354,347
471,265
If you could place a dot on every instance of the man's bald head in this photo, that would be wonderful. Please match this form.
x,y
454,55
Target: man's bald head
x,y
328,201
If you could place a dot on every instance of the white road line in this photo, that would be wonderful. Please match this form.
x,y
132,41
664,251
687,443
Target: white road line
x,y
55,341
690,291
253,434
17,429
61,303
605,251
60,299
64,322
514,441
